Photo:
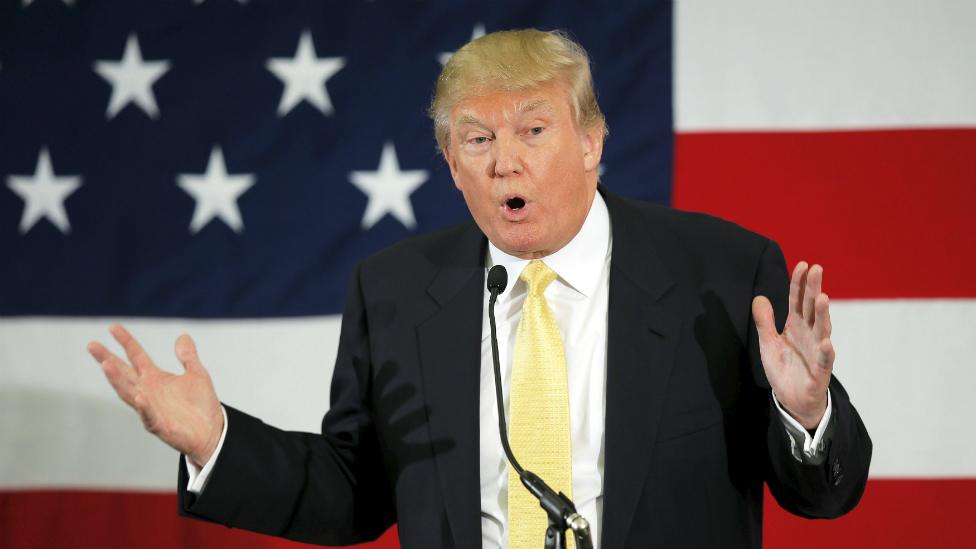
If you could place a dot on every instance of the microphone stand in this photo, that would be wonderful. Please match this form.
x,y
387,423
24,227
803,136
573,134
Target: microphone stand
x,y
560,509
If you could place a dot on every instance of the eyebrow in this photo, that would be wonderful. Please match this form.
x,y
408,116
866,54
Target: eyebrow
x,y
468,119
521,108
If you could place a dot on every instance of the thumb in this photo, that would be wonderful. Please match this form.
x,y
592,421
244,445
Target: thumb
x,y
186,352
762,314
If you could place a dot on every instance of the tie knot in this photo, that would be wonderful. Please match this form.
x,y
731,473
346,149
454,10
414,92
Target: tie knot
x,y
537,276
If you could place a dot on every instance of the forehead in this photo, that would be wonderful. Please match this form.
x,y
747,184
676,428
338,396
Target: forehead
x,y
498,105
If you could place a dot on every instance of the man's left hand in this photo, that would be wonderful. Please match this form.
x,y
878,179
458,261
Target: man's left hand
x,y
798,362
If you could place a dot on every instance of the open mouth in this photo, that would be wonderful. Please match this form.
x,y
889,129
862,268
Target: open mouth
x,y
515,203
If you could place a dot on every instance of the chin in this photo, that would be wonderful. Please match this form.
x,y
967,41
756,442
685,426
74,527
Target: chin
x,y
525,248
516,238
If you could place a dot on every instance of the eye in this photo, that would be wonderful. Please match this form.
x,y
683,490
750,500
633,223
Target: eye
x,y
480,140
536,130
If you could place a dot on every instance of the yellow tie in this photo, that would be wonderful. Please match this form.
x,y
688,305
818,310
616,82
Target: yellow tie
x,y
539,429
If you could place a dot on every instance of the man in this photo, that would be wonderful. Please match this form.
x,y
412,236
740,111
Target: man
x,y
644,369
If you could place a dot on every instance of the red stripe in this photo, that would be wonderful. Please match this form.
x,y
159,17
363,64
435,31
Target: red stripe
x,y
888,213
892,514
107,520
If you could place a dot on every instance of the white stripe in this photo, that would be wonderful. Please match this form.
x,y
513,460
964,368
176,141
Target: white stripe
x,y
61,424
906,363
829,64
908,366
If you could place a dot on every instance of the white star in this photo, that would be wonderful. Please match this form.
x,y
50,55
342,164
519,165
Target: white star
x,y
132,79
476,33
305,76
388,189
44,194
216,193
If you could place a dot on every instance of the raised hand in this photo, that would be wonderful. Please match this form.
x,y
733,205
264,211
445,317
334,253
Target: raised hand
x,y
799,361
182,410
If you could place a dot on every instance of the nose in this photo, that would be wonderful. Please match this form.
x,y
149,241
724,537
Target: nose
x,y
507,157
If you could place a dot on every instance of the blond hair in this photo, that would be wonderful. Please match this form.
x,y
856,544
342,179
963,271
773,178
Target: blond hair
x,y
515,60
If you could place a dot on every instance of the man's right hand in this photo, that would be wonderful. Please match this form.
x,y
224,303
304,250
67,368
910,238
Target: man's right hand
x,y
182,410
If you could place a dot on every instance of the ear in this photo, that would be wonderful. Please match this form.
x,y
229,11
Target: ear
x,y
592,142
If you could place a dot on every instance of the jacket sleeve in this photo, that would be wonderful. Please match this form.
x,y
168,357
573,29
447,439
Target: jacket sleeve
x,y
328,488
834,487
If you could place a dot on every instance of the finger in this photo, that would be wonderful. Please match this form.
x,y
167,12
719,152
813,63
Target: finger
x,y
762,314
826,355
186,352
796,288
814,280
120,376
104,356
137,355
99,352
822,327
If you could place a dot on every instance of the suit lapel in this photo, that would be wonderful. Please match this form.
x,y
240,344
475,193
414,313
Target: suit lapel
x,y
641,339
642,335
450,355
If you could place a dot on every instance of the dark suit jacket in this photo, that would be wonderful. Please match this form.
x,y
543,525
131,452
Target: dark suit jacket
x,y
691,434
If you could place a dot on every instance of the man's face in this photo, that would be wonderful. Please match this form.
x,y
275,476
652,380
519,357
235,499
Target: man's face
x,y
527,172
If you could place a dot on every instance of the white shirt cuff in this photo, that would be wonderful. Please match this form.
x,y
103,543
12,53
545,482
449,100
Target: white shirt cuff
x,y
198,477
805,449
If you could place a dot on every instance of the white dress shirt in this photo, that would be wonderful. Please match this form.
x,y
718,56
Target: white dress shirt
x,y
579,301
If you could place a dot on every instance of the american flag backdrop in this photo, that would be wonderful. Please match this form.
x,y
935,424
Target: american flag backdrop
x,y
217,167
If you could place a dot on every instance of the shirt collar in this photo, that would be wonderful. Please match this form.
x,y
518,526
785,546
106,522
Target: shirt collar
x,y
580,262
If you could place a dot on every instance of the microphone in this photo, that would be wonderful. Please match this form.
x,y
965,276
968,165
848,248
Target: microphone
x,y
561,510
497,280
